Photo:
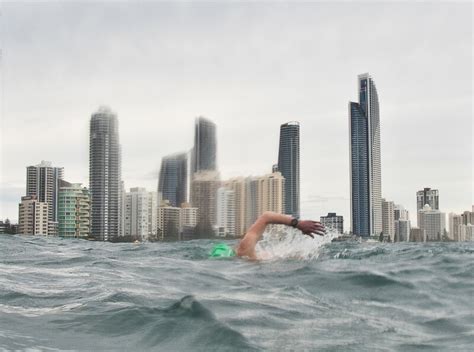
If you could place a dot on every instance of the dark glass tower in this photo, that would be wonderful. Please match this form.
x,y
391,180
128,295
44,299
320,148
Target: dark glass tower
x,y
104,174
172,183
365,167
289,165
205,145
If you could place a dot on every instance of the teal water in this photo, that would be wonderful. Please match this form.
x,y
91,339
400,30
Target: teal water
x,y
62,294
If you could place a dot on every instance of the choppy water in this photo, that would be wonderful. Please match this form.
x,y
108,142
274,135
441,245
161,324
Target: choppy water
x,y
60,294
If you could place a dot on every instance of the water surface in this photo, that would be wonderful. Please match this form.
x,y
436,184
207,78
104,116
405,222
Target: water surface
x,y
63,294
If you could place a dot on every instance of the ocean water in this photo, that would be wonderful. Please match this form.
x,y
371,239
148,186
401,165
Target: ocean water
x,y
308,295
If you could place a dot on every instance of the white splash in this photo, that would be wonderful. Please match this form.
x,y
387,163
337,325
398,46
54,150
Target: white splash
x,y
291,243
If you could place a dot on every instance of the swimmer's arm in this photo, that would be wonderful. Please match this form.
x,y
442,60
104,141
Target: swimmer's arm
x,y
247,245
254,234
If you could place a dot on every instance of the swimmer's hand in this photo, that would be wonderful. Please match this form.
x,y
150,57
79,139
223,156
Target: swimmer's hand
x,y
309,227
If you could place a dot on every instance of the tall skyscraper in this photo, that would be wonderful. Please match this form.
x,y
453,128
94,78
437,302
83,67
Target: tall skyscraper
x,y
172,183
426,196
365,167
205,146
104,174
289,165
42,181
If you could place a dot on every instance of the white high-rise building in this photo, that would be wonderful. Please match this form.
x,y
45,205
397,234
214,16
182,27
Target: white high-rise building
x,y
271,193
42,181
136,213
454,221
432,223
401,213
426,196
33,216
153,213
189,215
226,212
388,218
73,210
122,193
238,186
255,195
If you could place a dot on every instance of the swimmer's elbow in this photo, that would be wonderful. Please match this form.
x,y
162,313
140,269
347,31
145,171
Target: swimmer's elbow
x,y
267,216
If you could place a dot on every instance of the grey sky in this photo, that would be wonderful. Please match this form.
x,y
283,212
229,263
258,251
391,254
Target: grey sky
x,y
249,67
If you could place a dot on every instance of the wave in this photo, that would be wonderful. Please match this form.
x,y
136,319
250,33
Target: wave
x,y
292,244
310,294
184,325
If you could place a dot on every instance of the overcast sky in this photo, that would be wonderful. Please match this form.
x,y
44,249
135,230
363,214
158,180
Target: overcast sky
x,y
249,67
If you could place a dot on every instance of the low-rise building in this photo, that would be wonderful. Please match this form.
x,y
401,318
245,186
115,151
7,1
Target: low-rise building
x,y
169,222
402,230
333,221
416,235
466,232
432,223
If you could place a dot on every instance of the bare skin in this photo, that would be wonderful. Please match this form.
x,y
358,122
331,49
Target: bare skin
x,y
246,247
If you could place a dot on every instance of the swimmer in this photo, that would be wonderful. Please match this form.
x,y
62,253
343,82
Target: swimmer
x,y
246,247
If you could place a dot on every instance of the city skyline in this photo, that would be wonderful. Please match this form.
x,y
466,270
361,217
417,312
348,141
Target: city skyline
x,y
249,102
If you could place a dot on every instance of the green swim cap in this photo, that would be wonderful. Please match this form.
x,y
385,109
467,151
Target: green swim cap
x,y
222,250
